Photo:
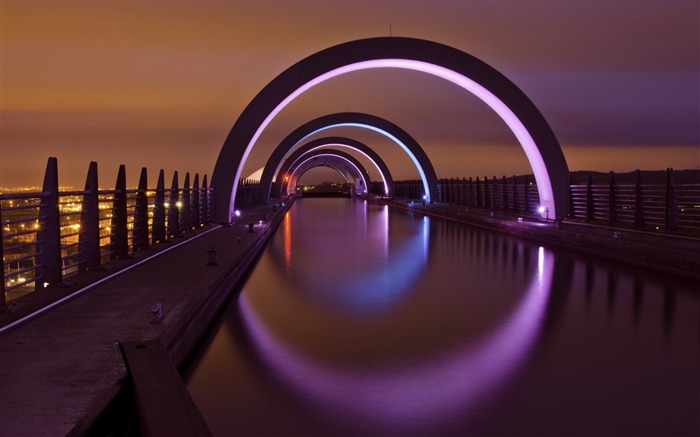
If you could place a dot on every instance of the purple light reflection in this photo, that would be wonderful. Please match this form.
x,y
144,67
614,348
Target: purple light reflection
x,y
421,394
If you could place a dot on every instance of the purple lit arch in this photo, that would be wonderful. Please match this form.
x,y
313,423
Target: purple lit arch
x,y
505,98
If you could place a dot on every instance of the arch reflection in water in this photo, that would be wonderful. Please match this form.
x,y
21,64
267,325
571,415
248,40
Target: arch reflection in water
x,y
382,268
495,336
418,395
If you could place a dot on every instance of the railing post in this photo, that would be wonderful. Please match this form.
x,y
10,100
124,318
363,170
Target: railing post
x,y
49,253
141,212
3,297
89,239
494,192
471,192
158,232
572,210
205,202
173,213
612,200
671,202
120,232
504,194
526,191
185,217
487,193
590,206
479,199
638,202
196,198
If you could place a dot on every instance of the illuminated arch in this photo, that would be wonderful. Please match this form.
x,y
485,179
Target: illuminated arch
x,y
347,165
356,119
316,144
503,96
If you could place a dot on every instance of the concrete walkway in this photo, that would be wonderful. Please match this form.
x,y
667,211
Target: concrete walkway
x,y
60,370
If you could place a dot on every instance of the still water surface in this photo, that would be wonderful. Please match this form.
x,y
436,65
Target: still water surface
x,y
363,320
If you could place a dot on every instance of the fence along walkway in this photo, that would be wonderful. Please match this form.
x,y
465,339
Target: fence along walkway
x,y
51,234
666,207
669,207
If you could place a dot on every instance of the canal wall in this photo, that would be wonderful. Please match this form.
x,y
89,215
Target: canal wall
x,y
236,250
676,255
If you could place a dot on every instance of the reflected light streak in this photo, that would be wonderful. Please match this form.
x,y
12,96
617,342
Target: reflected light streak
x,y
384,220
287,242
420,394
383,282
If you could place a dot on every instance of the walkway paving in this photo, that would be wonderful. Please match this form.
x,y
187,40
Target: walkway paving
x,y
59,370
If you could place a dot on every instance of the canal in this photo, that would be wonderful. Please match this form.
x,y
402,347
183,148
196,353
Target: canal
x,y
359,319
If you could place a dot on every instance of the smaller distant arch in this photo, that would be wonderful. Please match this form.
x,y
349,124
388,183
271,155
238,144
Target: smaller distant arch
x,y
356,119
347,165
321,144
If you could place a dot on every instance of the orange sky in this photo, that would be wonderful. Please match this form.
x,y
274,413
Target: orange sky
x,y
160,83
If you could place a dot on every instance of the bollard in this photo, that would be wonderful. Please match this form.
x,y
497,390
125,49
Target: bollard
x,y
211,257
250,227
157,310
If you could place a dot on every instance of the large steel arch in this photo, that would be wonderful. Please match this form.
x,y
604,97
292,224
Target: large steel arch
x,y
344,163
319,143
472,74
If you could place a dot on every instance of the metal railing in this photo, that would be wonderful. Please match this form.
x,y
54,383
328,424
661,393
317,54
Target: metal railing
x,y
666,207
50,234
517,194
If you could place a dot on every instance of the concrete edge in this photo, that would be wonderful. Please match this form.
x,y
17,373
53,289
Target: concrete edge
x,y
181,338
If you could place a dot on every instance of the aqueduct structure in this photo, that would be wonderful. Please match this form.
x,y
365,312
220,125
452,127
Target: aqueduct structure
x,y
470,73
